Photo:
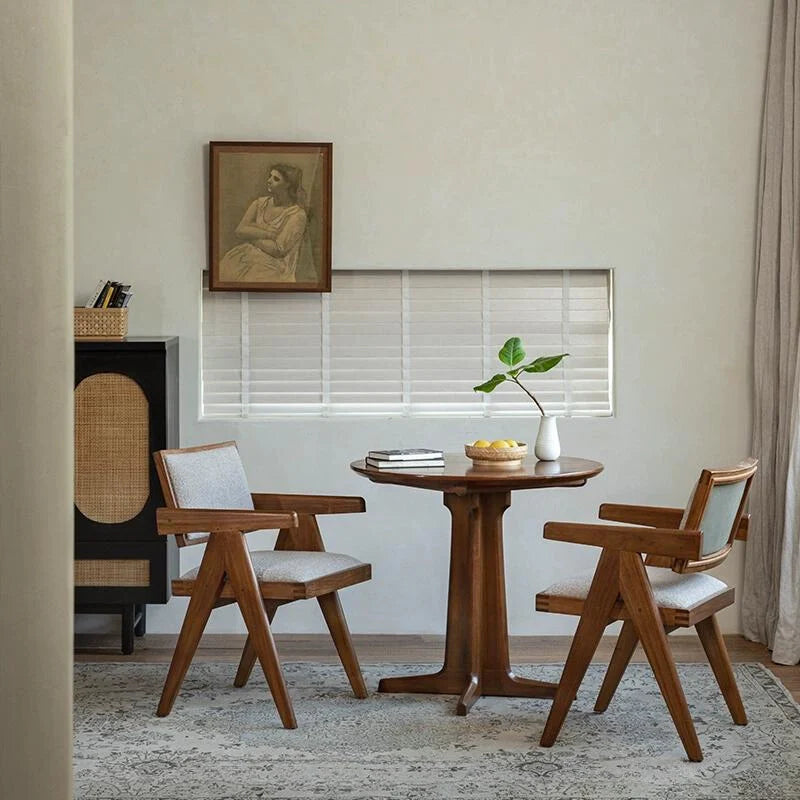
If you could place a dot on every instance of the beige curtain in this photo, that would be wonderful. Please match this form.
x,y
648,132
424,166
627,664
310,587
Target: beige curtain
x,y
771,602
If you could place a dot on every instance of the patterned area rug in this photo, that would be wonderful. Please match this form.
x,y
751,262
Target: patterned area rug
x,y
222,743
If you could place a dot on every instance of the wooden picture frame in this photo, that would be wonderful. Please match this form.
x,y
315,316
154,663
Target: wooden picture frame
x,y
283,189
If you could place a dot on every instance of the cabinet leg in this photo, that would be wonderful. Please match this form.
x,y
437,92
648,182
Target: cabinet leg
x,y
128,620
140,628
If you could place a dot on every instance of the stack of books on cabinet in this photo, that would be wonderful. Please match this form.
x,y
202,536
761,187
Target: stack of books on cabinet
x,y
110,294
420,458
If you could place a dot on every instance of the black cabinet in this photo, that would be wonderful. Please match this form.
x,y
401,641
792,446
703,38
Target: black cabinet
x,y
126,407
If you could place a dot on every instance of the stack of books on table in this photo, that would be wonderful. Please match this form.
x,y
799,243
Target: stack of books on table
x,y
404,459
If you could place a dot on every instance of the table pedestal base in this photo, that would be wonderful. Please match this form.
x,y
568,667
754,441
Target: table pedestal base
x,y
469,687
476,660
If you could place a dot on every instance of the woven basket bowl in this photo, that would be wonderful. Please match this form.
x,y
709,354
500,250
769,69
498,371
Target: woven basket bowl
x,y
506,458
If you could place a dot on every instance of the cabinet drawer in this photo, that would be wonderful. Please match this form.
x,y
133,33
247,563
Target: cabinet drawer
x,y
112,572
124,572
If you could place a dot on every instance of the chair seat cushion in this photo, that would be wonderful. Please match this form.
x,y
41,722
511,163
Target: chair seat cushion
x,y
292,566
670,589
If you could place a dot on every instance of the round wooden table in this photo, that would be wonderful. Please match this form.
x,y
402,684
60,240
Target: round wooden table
x,y
476,660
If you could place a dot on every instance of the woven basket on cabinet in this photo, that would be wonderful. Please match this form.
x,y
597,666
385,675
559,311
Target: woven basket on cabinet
x,y
101,323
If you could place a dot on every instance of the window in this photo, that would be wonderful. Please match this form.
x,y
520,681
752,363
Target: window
x,y
408,342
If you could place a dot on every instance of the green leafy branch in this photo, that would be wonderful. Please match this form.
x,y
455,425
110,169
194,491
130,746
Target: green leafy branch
x,y
511,354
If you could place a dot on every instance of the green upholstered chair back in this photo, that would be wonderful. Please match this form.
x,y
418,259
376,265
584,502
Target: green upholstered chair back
x,y
715,508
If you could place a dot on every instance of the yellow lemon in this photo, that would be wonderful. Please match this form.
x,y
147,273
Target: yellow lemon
x,y
481,443
499,444
511,443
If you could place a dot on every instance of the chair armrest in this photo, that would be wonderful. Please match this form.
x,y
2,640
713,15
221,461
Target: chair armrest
x,y
309,503
172,521
654,541
653,516
657,517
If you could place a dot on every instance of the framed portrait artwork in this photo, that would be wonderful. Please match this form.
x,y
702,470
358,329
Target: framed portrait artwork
x,y
270,217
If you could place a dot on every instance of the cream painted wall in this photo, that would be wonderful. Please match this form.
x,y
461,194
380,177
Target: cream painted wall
x,y
36,375
617,133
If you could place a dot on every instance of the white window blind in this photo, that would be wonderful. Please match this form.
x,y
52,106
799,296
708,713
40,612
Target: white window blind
x,y
408,342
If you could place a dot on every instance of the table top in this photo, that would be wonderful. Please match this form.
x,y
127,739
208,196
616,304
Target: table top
x,y
460,474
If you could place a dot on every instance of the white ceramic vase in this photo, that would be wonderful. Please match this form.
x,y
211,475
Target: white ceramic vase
x,y
548,447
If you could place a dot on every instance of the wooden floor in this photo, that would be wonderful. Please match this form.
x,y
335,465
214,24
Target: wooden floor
x,y
372,649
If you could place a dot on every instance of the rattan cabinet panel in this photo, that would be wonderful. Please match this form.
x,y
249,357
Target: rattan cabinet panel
x,y
112,421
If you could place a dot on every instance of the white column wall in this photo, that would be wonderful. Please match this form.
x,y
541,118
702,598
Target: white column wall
x,y
36,367
613,133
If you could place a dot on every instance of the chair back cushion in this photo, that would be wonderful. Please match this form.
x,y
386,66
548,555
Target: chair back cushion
x,y
209,478
720,514
716,505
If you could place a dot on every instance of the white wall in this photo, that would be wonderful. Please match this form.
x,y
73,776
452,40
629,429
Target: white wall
x,y
618,133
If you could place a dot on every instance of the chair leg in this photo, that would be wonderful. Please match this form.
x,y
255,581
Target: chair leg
x,y
248,596
602,595
337,625
248,659
626,644
638,597
207,588
714,645
246,664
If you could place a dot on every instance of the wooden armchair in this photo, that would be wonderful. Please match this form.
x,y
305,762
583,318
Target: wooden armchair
x,y
667,590
208,501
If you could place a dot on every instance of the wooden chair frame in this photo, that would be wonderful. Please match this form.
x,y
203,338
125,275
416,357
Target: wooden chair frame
x,y
621,590
226,575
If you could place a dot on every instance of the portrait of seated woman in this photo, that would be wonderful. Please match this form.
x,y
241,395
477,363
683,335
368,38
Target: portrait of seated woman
x,y
270,217
274,230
